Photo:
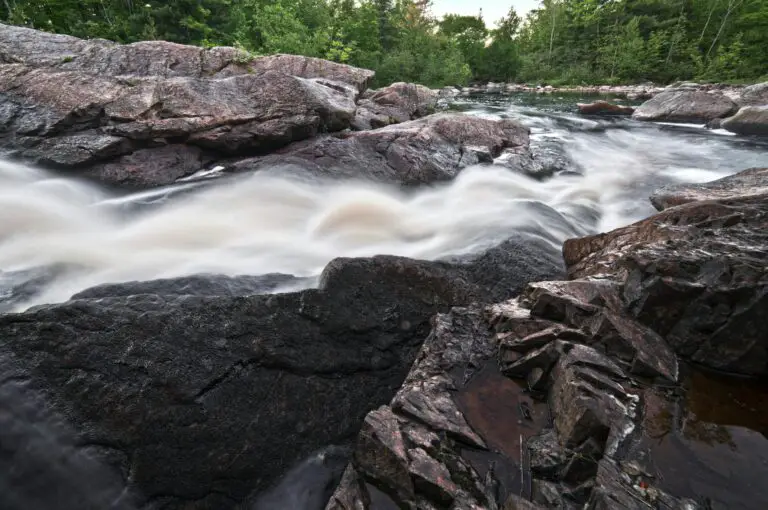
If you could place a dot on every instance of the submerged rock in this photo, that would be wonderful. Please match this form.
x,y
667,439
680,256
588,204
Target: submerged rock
x,y
686,105
604,108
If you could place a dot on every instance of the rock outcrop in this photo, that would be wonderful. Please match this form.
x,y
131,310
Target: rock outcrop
x,y
399,102
604,108
686,105
749,183
599,359
431,149
200,392
749,120
754,95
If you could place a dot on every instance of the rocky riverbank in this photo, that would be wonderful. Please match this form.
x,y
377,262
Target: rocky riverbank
x,y
600,358
516,378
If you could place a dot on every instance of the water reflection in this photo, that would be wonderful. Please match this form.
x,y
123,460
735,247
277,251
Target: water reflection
x,y
711,445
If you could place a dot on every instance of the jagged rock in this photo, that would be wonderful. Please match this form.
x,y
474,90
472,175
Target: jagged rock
x,y
547,455
455,352
683,105
427,150
751,182
160,58
254,383
613,489
586,402
696,275
749,120
626,339
399,102
754,95
604,108
350,493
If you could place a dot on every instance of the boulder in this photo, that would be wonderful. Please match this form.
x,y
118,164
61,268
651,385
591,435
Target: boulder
x,y
196,401
399,102
750,182
685,105
74,120
423,151
749,120
754,95
160,58
604,108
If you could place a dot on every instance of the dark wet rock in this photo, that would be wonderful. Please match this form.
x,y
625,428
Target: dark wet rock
x,y
255,383
695,274
308,486
547,455
749,120
44,466
429,446
77,150
754,95
399,102
751,182
427,150
518,503
197,285
604,108
686,105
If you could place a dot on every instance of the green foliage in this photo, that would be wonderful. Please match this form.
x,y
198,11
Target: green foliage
x,y
561,42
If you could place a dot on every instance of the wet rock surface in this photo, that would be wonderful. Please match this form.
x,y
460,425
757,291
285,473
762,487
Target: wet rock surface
x,y
182,371
749,120
604,108
751,182
570,395
686,105
423,151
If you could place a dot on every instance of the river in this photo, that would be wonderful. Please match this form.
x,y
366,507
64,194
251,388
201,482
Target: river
x,y
278,222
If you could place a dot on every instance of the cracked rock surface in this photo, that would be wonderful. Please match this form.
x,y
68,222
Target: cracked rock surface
x,y
554,399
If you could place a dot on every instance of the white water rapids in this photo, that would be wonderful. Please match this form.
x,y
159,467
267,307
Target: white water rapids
x,y
274,221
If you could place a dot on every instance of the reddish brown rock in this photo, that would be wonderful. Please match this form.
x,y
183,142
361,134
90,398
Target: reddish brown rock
x,y
604,108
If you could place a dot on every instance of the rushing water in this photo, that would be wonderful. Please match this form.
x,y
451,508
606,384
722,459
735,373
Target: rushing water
x,y
276,221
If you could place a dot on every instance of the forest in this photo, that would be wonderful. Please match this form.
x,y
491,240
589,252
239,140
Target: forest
x,y
563,42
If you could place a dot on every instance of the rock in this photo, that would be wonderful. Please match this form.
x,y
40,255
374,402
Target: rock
x,y
423,151
109,109
604,108
197,285
749,120
146,168
307,486
399,102
754,95
250,113
681,105
748,183
211,397
160,58
695,274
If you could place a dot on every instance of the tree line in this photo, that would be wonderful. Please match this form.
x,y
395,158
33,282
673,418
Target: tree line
x,y
561,42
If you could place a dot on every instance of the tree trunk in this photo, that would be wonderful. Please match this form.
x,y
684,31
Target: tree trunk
x,y
552,33
732,4
709,18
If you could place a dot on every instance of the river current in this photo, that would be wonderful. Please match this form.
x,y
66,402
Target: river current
x,y
277,221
